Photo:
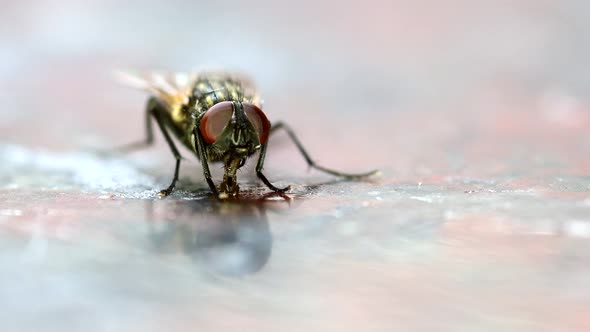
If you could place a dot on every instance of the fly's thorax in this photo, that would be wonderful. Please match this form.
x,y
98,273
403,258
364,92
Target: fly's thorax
x,y
210,89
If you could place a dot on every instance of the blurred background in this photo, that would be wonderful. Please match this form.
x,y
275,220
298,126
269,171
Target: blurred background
x,y
477,113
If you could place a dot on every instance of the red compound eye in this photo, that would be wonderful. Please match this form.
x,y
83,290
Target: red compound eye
x,y
215,120
258,120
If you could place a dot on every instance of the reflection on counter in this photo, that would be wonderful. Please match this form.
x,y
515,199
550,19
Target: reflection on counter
x,y
230,238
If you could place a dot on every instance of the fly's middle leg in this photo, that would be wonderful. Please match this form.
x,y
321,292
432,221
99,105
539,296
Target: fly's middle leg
x,y
261,176
154,111
157,116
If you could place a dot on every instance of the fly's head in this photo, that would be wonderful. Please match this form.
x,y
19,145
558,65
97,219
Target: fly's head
x,y
232,131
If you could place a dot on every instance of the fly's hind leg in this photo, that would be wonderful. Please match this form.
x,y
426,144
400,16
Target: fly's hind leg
x,y
311,163
152,106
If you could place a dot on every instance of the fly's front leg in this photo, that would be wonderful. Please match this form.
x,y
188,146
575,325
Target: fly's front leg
x,y
310,162
261,176
202,153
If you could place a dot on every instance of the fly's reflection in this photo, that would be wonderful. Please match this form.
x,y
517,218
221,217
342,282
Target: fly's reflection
x,y
224,237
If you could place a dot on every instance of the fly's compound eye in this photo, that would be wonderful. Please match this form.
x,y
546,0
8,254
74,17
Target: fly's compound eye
x,y
215,120
258,120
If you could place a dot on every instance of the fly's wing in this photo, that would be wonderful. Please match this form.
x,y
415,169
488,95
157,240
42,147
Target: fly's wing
x,y
172,89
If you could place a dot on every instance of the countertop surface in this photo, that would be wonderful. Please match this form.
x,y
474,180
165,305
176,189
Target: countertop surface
x,y
477,118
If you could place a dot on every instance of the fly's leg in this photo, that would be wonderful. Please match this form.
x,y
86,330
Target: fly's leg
x,y
310,162
155,110
152,106
261,176
202,154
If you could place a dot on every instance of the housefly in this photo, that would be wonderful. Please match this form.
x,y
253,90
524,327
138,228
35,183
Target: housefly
x,y
218,116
